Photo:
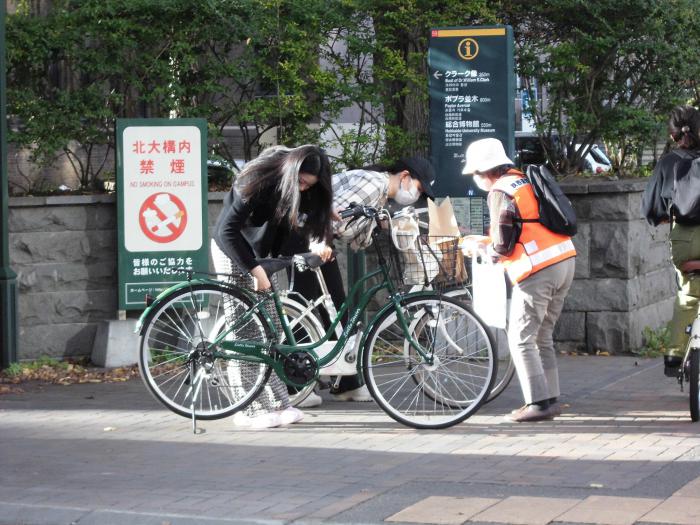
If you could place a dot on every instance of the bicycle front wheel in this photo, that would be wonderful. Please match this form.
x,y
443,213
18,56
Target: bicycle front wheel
x,y
447,384
176,357
693,385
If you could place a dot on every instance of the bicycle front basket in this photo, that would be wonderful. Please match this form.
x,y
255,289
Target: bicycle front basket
x,y
428,260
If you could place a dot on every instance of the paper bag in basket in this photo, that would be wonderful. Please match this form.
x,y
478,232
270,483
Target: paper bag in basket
x,y
443,234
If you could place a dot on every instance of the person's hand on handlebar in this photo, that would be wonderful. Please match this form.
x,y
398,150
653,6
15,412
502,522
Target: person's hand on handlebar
x,y
261,283
321,249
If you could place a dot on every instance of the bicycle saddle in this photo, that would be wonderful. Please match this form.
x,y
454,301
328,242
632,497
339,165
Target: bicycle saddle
x,y
692,266
272,266
310,260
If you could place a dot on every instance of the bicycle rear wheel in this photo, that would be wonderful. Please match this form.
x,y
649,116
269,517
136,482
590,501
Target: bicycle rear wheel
x,y
419,393
693,386
506,367
176,354
506,370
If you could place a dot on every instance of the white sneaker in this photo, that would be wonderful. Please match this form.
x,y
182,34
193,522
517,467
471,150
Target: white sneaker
x,y
359,394
241,420
267,420
290,415
312,400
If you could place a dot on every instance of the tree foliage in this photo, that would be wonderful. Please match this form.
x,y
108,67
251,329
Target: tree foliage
x,y
294,68
612,69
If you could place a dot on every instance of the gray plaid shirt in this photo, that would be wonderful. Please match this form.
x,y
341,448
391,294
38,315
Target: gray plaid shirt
x,y
368,188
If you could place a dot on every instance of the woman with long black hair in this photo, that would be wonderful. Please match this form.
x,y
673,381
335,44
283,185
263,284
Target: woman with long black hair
x,y
283,191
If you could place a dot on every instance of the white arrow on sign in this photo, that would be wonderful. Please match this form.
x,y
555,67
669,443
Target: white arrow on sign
x,y
437,75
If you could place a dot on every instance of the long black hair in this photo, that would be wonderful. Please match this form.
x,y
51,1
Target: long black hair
x,y
277,169
684,127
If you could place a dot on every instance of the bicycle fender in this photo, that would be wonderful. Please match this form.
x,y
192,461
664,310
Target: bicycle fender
x,y
146,314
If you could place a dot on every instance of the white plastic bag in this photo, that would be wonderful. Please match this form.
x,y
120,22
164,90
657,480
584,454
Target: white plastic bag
x,y
490,300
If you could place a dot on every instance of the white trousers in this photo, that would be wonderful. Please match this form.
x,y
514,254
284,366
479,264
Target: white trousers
x,y
274,395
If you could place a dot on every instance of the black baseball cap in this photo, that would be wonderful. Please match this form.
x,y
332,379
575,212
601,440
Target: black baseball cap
x,y
422,170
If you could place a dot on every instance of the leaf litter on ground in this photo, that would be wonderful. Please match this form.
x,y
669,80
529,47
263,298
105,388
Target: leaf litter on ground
x,y
52,371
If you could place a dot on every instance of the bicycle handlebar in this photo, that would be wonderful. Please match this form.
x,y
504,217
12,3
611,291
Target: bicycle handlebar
x,y
359,210
350,212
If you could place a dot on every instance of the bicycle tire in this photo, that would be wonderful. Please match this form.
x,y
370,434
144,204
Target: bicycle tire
x,y
174,349
305,331
693,385
441,394
506,371
506,367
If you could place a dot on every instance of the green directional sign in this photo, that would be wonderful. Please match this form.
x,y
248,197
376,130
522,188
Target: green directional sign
x,y
162,205
472,90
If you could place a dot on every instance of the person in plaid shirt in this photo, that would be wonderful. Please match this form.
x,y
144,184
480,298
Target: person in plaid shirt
x,y
404,182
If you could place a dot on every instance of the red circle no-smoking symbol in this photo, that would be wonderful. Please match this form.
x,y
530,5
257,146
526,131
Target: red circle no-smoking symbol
x,y
163,217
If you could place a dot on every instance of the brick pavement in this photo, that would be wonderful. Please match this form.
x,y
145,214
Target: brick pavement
x,y
624,452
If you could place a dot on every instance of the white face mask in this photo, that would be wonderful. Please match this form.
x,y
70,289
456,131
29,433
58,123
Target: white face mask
x,y
407,197
483,183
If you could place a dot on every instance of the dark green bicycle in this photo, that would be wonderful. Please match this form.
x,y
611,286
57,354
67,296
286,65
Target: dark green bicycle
x,y
208,347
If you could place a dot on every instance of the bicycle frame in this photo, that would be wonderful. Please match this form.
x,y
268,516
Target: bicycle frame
x,y
265,353
258,352
254,351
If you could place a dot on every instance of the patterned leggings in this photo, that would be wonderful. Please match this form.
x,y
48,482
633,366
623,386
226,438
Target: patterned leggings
x,y
274,395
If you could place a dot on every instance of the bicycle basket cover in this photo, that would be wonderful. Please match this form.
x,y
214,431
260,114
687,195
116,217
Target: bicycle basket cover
x,y
421,264
404,232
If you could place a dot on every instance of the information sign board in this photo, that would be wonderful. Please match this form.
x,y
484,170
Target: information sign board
x,y
472,96
162,204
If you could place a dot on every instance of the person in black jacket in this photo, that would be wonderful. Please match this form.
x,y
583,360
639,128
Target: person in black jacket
x,y
658,208
263,208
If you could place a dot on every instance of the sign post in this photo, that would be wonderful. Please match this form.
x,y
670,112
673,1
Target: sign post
x,y
162,196
8,278
472,96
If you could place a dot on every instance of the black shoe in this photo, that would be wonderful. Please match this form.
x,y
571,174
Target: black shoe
x,y
672,365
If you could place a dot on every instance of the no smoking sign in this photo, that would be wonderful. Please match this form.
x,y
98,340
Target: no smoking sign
x,y
162,205
163,217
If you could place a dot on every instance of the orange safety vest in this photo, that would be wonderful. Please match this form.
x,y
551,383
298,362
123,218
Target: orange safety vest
x,y
537,247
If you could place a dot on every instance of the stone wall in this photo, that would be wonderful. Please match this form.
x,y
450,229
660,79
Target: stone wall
x,y
624,279
64,252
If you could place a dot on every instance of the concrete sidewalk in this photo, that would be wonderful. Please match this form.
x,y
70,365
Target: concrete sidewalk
x,y
623,452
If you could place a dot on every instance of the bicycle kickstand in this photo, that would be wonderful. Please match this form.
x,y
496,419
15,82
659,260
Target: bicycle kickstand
x,y
196,387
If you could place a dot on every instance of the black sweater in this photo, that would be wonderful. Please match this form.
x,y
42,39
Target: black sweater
x,y
247,229
656,201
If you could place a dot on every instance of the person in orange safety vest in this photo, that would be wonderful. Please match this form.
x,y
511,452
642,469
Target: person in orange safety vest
x,y
539,263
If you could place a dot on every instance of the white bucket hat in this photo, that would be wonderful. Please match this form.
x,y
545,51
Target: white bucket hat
x,y
483,155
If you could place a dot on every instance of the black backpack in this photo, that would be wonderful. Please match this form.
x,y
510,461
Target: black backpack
x,y
555,209
685,200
